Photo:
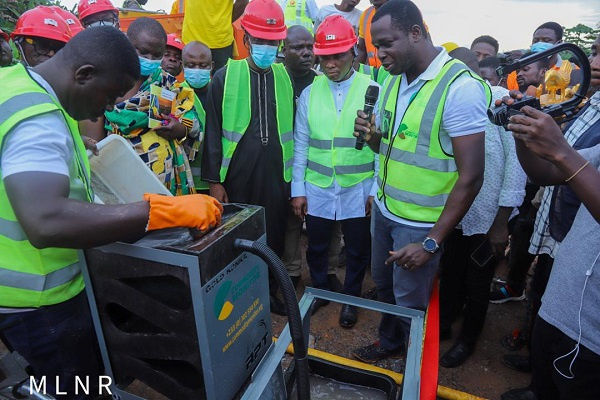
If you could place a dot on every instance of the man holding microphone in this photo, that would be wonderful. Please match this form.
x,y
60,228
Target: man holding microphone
x,y
333,181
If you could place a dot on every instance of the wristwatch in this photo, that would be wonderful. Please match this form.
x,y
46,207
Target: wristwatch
x,y
430,245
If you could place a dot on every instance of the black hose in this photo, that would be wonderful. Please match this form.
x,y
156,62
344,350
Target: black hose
x,y
291,305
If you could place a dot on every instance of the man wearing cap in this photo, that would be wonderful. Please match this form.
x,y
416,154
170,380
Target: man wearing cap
x,y
171,61
431,149
39,34
6,56
333,181
44,314
248,146
97,13
71,20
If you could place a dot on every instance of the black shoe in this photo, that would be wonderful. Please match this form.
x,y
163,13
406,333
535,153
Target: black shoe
x,y
373,353
457,355
316,304
518,394
517,362
334,283
276,305
348,316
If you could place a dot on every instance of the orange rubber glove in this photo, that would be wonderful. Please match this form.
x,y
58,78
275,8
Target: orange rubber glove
x,y
197,211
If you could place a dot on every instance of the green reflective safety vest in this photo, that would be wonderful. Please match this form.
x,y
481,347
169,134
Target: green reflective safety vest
x,y
295,14
196,164
237,109
331,152
31,277
377,74
416,175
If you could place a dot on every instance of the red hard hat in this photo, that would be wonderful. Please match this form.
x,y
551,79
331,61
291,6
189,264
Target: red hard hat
x,y
70,19
175,41
263,19
42,22
85,8
334,35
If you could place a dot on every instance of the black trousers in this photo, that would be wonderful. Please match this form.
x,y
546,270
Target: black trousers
x,y
357,240
463,283
549,343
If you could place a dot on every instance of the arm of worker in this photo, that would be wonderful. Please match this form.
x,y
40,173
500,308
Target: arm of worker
x,y
547,157
238,9
464,119
312,9
213,147
35,164
301,139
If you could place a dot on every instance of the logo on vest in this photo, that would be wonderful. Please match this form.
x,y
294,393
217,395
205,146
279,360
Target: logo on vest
x,y
403,132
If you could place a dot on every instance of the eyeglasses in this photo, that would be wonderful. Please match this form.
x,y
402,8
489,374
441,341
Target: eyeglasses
x,y
44,46
102,22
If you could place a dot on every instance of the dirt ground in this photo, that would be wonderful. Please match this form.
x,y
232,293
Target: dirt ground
x,y
482,375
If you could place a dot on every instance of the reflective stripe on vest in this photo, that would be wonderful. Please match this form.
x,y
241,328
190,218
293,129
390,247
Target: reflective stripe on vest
x,y
331,152
416,175
237,108
371,50
295,14
31,277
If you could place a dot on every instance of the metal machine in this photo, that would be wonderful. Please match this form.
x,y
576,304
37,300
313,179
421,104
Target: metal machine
x,y
190,317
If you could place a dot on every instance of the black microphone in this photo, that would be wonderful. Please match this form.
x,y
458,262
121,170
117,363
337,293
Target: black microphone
x,y
370,100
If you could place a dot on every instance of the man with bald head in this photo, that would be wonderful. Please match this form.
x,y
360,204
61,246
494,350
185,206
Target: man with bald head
x,y
299,57
197,67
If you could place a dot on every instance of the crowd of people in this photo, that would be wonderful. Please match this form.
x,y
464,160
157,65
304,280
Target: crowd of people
x,y
438,193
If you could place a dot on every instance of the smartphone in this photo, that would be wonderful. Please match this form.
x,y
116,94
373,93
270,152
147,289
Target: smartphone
x,y
483,253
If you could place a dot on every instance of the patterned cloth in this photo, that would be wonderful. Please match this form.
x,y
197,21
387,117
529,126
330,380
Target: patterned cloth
x,y
541,241
166,158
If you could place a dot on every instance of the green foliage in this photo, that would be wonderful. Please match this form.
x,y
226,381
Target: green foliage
x,y
11,10
581,35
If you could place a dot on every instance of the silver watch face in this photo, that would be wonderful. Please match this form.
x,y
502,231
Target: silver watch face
x,y
430,245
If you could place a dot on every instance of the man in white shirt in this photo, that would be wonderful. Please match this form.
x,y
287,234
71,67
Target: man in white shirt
x,y
333,181
431,144
346,9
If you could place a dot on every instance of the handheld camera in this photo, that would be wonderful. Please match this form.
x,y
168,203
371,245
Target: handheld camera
x,y
561,112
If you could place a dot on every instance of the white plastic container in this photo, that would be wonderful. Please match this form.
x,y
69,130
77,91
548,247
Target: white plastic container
x,y
119,175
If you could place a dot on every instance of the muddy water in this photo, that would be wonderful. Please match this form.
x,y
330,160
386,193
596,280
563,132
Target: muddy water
x,y
329,389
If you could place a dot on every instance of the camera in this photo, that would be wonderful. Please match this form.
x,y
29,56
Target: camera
x,y
501,115
563,107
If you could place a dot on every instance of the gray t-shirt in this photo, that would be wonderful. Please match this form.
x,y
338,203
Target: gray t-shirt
x,y
577,254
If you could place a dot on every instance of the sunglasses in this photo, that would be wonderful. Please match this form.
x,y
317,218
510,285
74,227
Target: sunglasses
x,y
102,22
45,46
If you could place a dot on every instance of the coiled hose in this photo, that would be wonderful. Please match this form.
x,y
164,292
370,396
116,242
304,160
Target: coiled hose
x,y
291,306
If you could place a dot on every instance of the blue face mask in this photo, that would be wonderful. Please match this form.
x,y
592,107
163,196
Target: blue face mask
x,y
147,67
263,55
540,46
196,77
